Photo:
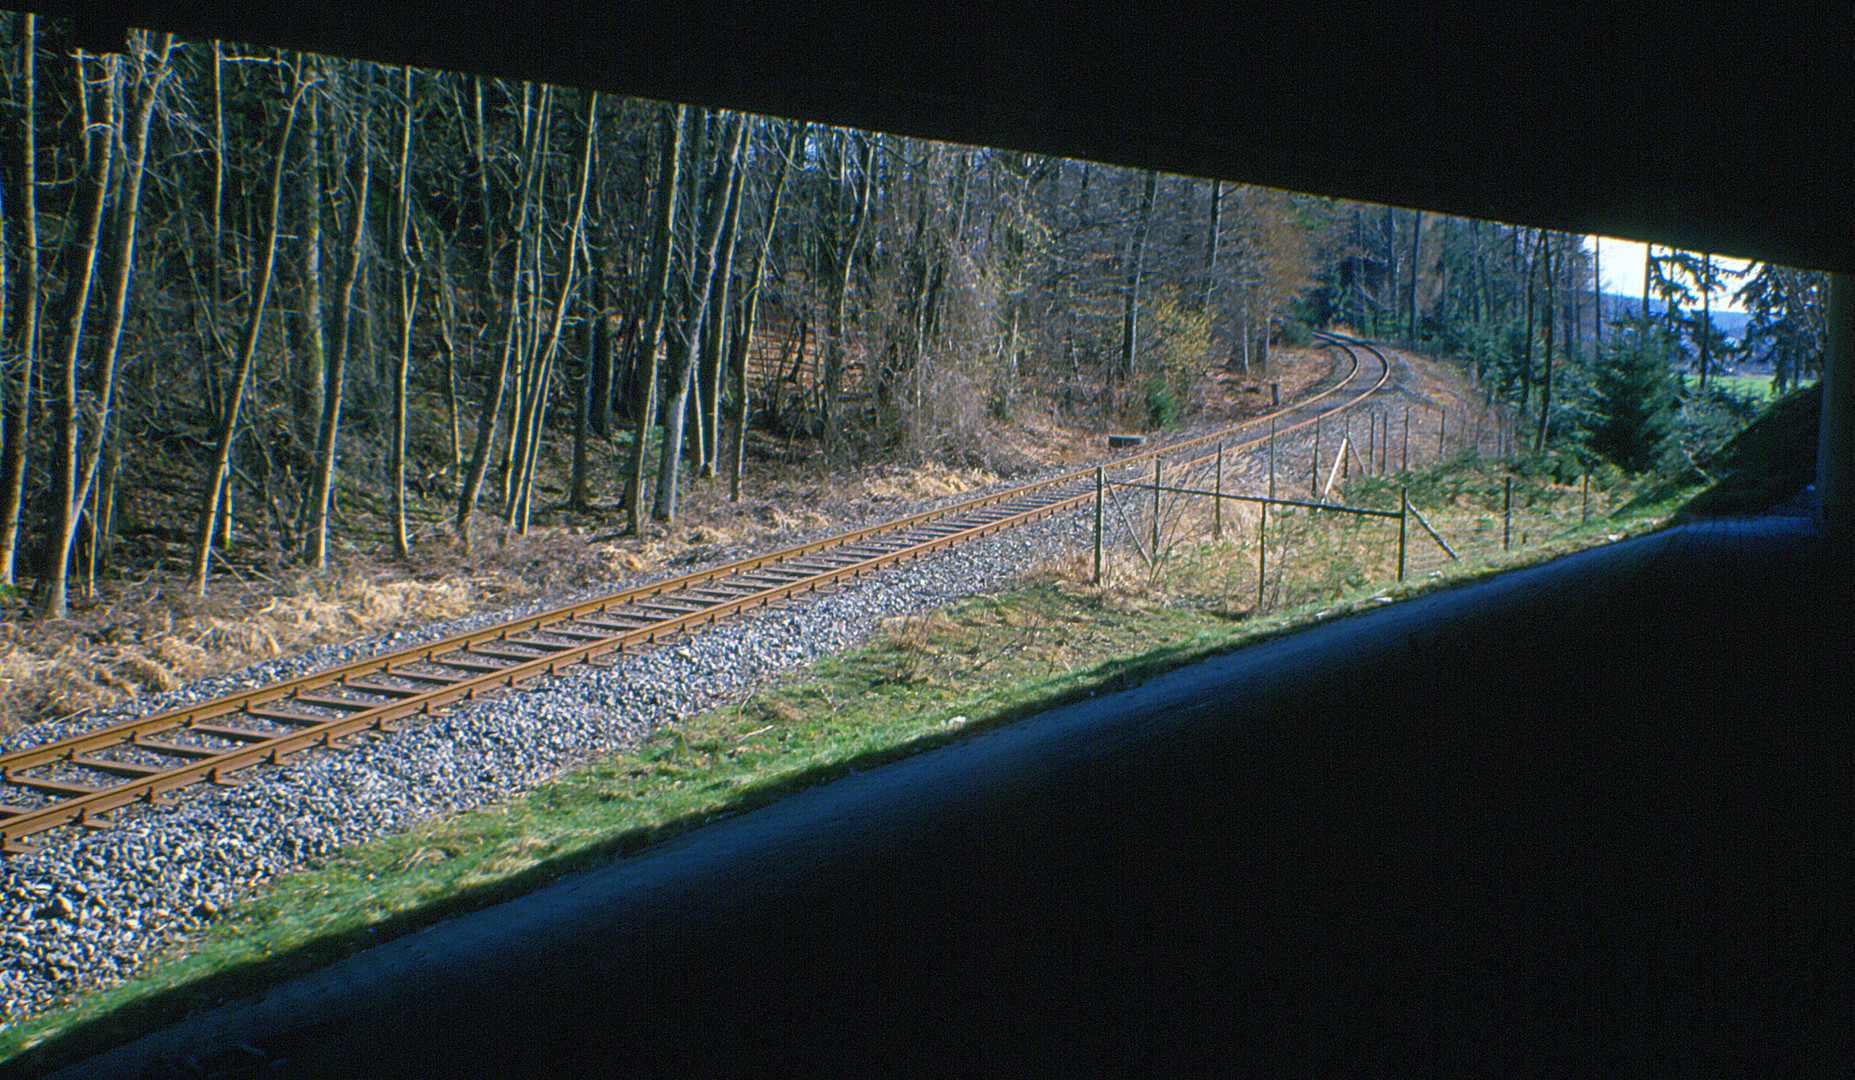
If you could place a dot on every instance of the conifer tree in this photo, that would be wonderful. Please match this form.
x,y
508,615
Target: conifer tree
x,y
1634,401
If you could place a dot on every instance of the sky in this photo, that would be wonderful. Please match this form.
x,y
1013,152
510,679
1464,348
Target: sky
x,y
1622,269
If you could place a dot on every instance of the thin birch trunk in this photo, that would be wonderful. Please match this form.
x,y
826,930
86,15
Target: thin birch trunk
x,y
559,320
1597,294
328,434
1545,390
312,381
1410,287
682,360
669,179
751,313
52,572
1706,318
97,422
222,454
19,401
491,416
408,304
1130,296
1526,341
716,336
447,337
834,351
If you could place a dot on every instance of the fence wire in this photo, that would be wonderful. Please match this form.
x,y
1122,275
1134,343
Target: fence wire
x,y
1168,534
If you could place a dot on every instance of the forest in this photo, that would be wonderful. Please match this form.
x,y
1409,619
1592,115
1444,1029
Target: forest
x,y
251,298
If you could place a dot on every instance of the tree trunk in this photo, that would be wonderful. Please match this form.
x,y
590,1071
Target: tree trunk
x,y
312,344
228,427
491,416
315,533
1545,386
538,410
751,313
1410,287
1210,247
1597,295
1648,271
18,399
834,316
1526,341
487,419
669,180
716,339
1130,295
682,358
447,338
209,369
599,356
581,384
1706,317
97,423
408,304
52,579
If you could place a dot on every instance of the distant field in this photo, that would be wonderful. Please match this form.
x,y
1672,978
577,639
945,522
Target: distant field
x,y
1757,386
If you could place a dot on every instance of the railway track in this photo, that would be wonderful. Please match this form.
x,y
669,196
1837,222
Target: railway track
x,y
80,780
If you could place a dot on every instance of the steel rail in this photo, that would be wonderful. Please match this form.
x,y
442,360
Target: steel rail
x,y
757,582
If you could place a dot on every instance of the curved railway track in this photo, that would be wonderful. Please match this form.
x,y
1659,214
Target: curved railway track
x,y
79,780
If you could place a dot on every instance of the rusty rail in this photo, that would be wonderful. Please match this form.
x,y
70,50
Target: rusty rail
x,y
378,692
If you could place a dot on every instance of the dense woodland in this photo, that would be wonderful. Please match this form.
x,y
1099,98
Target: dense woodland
x,y
272,287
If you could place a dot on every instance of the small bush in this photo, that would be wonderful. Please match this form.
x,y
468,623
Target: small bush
x,y
1162,404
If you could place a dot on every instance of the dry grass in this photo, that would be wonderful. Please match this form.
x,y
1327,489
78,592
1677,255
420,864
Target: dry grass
x,y
141,645
144,633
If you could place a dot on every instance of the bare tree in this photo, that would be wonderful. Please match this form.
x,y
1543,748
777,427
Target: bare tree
x,y
25,325
1130,297
408,275
538,410
101,152
228,427
328,432
835,312
1545,385
685,341
751,308
714,336
312,346
658,295
491,412
152,70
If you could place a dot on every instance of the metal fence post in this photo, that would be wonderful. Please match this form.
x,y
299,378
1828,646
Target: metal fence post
x,y
1217,501
1507,514
1262,555
1155,511
1404,451
1442,421
1584,509
1314,466
1100,484
1272,457
1404,513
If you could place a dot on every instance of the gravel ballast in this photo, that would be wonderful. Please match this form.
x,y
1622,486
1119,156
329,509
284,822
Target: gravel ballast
x,y
82,915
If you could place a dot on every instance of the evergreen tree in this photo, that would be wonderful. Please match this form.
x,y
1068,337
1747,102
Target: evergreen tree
x,y
1633,400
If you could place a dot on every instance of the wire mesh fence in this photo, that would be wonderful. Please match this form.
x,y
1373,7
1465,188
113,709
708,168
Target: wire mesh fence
x,y
1344,508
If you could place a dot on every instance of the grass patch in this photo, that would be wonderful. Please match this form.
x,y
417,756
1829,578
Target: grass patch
x,y
922,682
1756,387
